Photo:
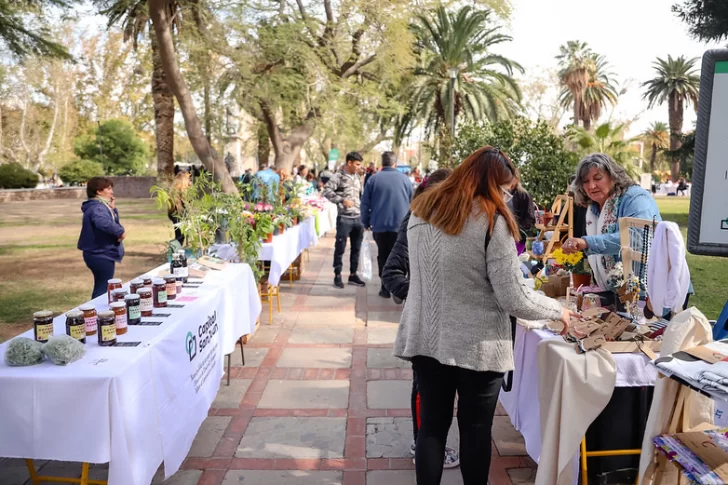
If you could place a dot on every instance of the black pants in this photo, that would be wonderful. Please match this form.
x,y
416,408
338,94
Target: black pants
x,y
415,410
103,271
385,242
177,231
348,228
477,398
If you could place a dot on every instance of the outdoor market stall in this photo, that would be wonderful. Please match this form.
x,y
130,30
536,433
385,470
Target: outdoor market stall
x,y
140,402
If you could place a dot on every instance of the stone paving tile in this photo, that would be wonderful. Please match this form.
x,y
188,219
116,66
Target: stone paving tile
x,y
376,319
325,287
282,477
314,394
326,318
319,334
383,359
382,335
407,477
293,438
331,299
182,477
14,472
392,437
522,476
209,435
231,396
315,358
508,441
253,356
389,394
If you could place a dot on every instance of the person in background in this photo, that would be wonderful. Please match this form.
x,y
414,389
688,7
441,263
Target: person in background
x,y
101,233
286,188
247,177
579,229
682,186
384,204
608,193
455,328
270,182
371,170
344,190
311,179
396,279
521,203
182,182
300,184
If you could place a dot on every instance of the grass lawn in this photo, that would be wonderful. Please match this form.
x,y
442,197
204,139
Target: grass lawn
x,y
40,267
709,274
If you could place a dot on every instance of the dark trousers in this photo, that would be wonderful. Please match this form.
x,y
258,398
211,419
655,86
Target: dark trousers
x,y
477,398
177,231
385,242
348,228
415,407
103,271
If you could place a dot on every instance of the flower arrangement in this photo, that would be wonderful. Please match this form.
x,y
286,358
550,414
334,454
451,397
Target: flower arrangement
x,y
574,263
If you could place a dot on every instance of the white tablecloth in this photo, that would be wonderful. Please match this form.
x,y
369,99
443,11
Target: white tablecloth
x,y
327,219
286,247
131,407
522,402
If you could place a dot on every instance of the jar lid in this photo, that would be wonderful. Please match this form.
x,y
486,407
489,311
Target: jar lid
x,y
137,281
131,297
118,304
87,307
158,281
144,290
169,276
43,314
118,291
74,314
106,314
114,280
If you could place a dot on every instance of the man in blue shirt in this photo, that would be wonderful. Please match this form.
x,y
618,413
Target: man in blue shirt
x,y
270,181
384,205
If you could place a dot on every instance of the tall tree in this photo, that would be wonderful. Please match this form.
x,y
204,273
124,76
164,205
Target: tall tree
x,y
707,19
676,83
23,29
657,138
462,41
599,90
610,139
575,58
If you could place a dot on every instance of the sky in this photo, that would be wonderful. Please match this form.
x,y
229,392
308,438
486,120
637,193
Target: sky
x,y
630,33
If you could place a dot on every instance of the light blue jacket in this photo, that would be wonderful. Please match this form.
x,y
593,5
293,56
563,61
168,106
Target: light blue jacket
x,y
636,202
270,180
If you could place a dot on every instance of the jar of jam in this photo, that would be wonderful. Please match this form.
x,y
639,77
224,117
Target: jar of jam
x,y
76,326
147,281
90,318
171,283
43,325
120,319
135,284
145,301
113,284
107,328
178,289
159,293
133,309
118,294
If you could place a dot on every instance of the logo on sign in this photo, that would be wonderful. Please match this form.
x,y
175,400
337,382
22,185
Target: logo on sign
x,y
191,345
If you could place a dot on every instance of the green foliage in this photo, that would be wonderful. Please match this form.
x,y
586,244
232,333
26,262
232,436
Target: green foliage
x,y
23,31
708,19
116,146
675,77
609,139
15,176
79,171
685,154
599,90
541,155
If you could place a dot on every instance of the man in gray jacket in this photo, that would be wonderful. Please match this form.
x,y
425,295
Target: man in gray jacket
x,y
344,189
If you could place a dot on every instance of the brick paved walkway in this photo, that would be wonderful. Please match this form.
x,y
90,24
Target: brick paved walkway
x,y
321,401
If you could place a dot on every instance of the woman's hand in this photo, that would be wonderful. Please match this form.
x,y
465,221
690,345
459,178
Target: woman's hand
x,y
574,245
122,237
566,316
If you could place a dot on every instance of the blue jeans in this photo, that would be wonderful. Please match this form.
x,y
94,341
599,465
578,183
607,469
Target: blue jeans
x,y
103,271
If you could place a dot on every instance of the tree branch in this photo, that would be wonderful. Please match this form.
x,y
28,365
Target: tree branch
x,y
274,132
354,68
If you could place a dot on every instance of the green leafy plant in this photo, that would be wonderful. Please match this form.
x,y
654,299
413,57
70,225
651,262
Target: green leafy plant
x,y
116,146
79,171
15,176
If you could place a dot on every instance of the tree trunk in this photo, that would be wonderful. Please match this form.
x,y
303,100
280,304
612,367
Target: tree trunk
x,y
158,11
163,114
263,147
653,158
287,148
675,113
43,153
576,109
208,107
587,124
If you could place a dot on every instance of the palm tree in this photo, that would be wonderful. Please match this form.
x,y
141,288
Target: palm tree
x,y
658,138
610,139
575,59
484,84
599,90
677,82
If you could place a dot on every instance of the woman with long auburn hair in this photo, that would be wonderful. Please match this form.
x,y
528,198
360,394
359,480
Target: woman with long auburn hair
x,y
464,285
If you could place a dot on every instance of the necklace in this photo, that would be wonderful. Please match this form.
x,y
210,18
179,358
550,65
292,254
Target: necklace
x,y
643,260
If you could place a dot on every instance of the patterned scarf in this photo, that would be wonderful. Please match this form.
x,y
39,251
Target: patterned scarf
x,y
604,222
610,225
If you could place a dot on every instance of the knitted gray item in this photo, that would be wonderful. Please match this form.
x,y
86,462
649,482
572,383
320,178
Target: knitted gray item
x,y
23,351
63,349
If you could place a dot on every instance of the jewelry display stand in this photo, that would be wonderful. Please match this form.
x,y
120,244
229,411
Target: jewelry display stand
x,y
563,229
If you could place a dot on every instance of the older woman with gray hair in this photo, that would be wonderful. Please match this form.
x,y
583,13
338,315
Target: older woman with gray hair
x,y
603,186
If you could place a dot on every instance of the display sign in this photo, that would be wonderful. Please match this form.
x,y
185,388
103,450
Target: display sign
x,y
708,218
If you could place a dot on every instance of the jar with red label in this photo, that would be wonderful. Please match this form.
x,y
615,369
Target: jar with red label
x,y
159,293
118,294
171,282
120,319
146,301
90,318
76,326
113,284
135,284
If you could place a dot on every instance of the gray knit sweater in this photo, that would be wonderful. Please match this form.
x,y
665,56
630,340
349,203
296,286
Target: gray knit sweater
x,y
460,298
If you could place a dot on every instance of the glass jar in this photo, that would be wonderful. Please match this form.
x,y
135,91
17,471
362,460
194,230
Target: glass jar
x,y
90,318
147,281
118,294
178,288
135,284
76,326
183,270
120,319
133,309
43,325
107,328
146,301
171,283
159,293
113,284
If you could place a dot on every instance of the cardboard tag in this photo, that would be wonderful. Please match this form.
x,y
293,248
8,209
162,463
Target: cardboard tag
x,y
197,271
594,312
615,326
590,343
712,455
706,354
212,263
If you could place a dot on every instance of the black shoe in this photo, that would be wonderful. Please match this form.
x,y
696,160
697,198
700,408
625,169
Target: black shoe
x,y
384,293
337,281
398,301
356,281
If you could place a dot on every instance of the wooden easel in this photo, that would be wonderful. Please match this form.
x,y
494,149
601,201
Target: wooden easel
x,y
564,206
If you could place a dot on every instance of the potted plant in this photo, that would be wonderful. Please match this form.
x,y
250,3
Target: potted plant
x,y
264,226
576,264
548,216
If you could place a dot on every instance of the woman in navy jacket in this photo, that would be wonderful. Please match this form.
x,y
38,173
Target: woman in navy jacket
x,y
101,233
